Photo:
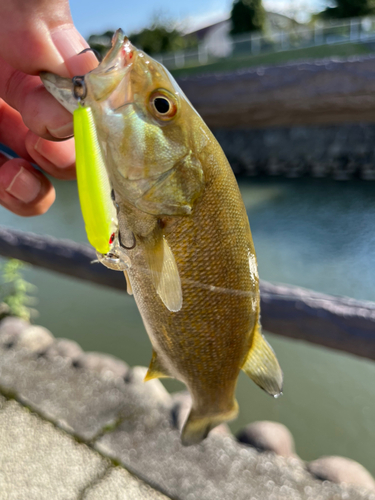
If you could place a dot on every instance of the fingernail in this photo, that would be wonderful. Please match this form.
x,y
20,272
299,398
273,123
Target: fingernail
x,y
70,43
62,132
61,154
24,186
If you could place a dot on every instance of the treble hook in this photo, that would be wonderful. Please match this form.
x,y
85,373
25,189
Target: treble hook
x,y
96,52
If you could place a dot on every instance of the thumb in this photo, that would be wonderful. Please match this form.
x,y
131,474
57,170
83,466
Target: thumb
x,y
39,35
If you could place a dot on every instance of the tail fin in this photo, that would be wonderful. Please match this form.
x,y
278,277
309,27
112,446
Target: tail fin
x,y
262,366
197,427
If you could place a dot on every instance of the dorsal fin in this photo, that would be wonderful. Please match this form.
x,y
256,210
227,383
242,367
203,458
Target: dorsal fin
x,y
164,272
156,369
262,366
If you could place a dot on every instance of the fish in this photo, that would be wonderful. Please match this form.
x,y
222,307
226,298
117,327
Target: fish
x,y
182,235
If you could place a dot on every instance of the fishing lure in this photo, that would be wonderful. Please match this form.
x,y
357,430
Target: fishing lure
x,y
94,189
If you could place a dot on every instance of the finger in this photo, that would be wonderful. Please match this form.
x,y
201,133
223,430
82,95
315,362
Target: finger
x,y
55,158
42,37
12,130
40,111
24,190
70,43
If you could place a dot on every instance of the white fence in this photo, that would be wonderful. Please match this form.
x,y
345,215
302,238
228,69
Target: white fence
x,y
321,33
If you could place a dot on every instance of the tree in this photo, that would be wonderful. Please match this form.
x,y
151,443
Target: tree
x,y
158,39
161,36
247,15
349,8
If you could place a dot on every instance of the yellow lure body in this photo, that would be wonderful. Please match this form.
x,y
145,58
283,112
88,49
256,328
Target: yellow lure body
x,y
94,188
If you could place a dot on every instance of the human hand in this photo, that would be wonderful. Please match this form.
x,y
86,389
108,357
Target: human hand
x,y
36,35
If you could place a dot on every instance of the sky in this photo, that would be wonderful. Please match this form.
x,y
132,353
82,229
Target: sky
x,y
96,16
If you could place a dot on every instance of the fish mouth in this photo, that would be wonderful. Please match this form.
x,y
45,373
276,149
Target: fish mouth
x,y
120,55
104,81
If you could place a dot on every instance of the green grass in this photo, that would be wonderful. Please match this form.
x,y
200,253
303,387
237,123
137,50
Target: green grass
x,y
272,58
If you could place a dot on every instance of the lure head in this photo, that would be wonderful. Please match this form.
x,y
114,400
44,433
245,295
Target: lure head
x,y
150,135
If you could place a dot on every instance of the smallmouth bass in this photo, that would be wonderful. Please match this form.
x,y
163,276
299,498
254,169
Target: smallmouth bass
x,y
182,238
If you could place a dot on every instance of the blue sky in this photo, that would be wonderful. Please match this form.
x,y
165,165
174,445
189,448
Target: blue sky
x,y
96,16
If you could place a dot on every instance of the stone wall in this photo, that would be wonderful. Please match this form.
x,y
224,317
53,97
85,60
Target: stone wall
x,y
341,152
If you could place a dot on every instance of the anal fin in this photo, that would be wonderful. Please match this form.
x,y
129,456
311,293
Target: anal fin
x,y
156,369
262,366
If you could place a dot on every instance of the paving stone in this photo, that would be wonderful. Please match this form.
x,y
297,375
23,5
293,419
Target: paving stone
x,y
268,436
119,484
80,401
217,469
40,462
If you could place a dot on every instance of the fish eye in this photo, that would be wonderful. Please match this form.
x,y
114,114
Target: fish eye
x,y
163,105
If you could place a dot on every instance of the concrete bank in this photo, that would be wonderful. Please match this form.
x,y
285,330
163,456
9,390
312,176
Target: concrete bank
x,y
77,425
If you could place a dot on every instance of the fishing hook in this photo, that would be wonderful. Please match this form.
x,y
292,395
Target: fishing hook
x,y
123,246
96,52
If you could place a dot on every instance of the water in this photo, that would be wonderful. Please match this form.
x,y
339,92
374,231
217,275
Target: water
x,y
319,234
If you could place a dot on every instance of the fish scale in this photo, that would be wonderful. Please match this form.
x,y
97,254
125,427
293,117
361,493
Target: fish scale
x,y
217,345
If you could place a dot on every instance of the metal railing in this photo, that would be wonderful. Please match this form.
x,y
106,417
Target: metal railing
x,y
353,30
337,322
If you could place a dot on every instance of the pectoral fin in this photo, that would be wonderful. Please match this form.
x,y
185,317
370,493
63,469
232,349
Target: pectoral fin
x,y
262,366
176,190
128,284
164,272
156,369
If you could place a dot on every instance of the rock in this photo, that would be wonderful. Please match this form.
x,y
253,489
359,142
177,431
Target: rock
x,y
153,388
104,364
180,410
10,331
341,470
268,436
66,349
36,339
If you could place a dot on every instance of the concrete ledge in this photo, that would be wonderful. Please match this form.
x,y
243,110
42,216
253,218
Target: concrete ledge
x,y
127,422
327,91
39,462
